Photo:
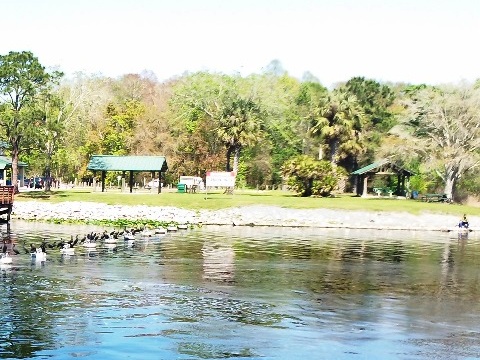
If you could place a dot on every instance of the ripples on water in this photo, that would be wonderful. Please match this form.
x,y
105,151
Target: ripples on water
x,y
244,292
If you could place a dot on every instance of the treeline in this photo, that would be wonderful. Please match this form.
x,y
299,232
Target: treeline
x,y
263,126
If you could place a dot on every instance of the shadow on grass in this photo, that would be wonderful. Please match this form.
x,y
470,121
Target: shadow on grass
x,y
35,195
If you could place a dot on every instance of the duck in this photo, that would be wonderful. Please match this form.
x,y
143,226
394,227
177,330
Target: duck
x,y
147,232
39,255
15,250
172,227
129,236
5,259
67,250
160,230
89,244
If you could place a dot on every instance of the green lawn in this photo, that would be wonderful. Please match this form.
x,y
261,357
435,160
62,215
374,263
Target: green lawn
x,y
218,200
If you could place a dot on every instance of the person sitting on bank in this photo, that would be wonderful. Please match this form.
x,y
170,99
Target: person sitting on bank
x,y
463,222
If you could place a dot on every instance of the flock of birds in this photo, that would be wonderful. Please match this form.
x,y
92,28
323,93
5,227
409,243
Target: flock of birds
x,y
88,241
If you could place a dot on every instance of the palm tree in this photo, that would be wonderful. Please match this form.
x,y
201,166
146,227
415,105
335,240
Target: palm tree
x,y
238,126
339,121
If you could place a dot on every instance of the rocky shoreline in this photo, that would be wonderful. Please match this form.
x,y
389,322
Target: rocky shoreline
x,y
241,216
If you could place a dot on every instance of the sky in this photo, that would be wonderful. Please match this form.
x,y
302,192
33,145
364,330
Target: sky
x,y
410,41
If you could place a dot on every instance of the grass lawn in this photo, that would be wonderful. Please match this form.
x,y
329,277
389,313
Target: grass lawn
x,y
219,200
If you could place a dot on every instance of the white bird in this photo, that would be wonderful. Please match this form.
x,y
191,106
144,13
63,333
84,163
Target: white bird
x,y
39,255
5,258
172,227
128,236
67,250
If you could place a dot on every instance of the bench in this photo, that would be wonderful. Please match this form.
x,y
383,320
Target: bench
x,y
6,200
435,198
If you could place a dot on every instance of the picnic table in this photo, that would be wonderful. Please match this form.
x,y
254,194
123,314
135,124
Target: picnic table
x,y
383,191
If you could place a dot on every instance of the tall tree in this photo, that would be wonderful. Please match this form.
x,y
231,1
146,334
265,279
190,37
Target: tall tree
x,y
224,101
22,77
338,122
445,123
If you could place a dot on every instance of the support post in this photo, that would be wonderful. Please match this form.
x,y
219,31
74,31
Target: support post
x,y
103,180
131,181
365,186
159,182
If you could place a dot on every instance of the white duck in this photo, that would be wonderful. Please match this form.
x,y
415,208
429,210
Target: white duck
x,y
39,255
5,258
67,250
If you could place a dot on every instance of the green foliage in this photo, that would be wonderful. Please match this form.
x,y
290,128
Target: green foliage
x,y
339,123
307,176
24,123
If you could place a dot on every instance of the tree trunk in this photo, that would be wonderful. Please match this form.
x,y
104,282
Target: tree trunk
x,y
236,159
333,144
229,155
449,186
15,167
48,181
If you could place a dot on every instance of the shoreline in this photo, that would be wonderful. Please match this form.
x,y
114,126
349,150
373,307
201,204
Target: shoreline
x,y
257,215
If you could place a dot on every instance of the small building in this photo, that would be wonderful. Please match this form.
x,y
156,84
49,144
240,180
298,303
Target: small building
x,y
384,167
131,164
6,166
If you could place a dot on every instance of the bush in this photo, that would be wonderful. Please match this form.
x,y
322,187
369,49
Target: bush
x,y
309,177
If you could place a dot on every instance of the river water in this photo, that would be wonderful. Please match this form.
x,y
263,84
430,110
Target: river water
x,y
244,293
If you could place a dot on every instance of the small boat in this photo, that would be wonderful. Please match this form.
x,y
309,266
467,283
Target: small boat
x,y
182,226
5,259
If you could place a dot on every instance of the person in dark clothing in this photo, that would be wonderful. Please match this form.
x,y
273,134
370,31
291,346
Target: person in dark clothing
x,y
463,222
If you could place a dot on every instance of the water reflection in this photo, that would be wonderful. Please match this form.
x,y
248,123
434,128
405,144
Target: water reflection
x,y
257,293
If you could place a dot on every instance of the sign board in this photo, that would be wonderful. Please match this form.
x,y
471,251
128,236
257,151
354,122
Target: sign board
x,y
191,180
220,179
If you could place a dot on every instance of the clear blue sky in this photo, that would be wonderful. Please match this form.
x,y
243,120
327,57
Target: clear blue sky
x,y
417,41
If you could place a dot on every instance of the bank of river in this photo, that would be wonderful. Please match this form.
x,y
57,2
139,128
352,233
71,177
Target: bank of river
x,y
257,215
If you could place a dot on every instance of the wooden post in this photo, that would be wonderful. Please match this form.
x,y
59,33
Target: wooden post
x,y
103,180
159,182
365,186
131,181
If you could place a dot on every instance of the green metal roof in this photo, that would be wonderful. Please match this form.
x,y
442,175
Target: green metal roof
x,y
7,162
127,163
377,164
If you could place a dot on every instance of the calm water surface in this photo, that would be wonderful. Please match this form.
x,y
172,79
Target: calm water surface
x,y
245,293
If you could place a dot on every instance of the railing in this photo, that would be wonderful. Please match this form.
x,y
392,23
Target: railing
x,y
6,195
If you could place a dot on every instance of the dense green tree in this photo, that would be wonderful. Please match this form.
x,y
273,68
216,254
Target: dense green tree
x,y
338,122
444,127
226,103
22,77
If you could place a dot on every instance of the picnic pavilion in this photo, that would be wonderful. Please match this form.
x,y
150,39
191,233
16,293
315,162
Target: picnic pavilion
x,y
384,167
131,164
